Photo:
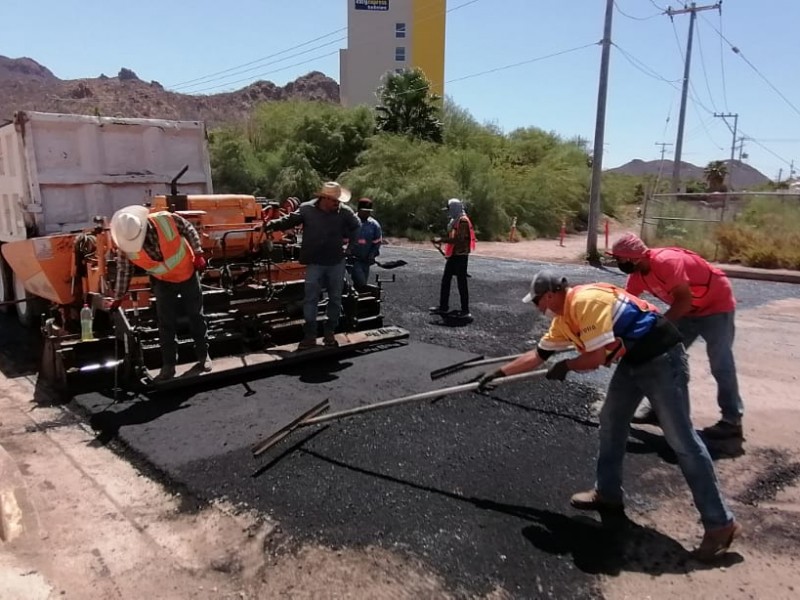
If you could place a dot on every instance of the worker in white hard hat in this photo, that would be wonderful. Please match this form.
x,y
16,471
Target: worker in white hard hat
x,y
168,248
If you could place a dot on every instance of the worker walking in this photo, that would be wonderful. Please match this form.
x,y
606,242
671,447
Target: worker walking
x,y
168,248
459,243
604,323
327,222
701,303
366,246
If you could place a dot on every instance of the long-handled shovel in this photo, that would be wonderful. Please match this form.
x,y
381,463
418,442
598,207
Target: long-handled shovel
x,y
479,361
313,417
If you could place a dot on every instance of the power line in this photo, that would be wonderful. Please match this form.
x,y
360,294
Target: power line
x,y
624,14
738,52
722,64
641,66
252,62
705,73
240,69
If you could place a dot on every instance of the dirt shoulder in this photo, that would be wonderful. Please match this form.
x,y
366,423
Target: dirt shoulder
x,y
80,522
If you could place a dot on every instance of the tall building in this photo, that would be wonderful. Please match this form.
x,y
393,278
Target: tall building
x,y
390,35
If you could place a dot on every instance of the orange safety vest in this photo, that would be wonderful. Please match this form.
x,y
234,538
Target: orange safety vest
x,y
178,257
449,245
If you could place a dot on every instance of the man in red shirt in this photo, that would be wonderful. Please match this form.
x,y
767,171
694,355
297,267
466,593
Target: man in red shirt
x,y
701,303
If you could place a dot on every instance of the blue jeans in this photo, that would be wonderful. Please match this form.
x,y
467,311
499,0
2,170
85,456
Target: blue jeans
x,y
319,277
665,381
718,332
359,271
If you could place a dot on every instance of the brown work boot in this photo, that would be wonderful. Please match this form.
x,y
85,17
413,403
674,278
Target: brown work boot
x,y
592,500
717,541
329,339
723,430
307,343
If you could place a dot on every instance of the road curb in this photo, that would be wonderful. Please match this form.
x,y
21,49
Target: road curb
x,y
776,275
14,502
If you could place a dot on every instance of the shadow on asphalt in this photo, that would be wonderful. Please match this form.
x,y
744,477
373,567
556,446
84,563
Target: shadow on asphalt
x,y
610,546
134,411
652,443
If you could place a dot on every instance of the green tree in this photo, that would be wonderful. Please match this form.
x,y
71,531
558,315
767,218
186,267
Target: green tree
x,y
407,107
715,173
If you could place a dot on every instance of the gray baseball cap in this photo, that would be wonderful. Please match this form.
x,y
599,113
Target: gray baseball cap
x,y
543,282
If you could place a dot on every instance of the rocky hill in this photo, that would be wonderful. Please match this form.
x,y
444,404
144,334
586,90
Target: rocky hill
x,y
744,176
27,85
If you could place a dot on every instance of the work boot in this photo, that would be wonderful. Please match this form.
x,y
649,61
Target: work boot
x,y
723,430
461,314
592,500
166,373
716,542
645,414
204,365
329,339
307,343
438,310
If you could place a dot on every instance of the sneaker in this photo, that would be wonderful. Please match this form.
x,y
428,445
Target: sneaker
x,y
592,500
723,430
645,413
167,372
717,541
438,310
307,343
329,340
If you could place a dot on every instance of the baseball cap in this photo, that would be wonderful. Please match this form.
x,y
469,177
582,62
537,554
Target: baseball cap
x,y
543,282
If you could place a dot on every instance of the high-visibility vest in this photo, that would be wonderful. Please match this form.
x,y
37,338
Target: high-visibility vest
x,y
178,257
449,245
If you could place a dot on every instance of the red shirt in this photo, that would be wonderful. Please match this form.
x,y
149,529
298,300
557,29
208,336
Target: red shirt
x,y
671,267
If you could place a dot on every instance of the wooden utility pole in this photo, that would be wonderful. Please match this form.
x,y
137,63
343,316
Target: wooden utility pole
x,y
660,164
725,118
599,132
692,9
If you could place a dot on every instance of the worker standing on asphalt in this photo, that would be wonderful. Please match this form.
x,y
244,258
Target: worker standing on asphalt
x,y
701,303
168,248
327,222
604,322
366,246
459,243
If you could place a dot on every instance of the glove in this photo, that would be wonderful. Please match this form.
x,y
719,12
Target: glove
x,y
199,263
485,382
558,372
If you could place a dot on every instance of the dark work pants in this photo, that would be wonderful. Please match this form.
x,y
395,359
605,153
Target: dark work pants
x,y
167,303
455,266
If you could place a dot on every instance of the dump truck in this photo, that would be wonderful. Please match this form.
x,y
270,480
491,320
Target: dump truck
x,y
61,179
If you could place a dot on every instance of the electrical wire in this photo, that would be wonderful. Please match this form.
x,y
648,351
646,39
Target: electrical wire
x,y
182,84
259,63
705,73
722,65
739,53
624,14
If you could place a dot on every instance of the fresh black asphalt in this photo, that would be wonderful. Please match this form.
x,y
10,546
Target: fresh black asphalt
x,y
474,486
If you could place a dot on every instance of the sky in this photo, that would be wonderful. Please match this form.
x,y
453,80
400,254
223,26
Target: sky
x,y
499,62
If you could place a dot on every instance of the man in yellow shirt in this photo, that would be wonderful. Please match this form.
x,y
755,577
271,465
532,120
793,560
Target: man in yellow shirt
x,y
605,324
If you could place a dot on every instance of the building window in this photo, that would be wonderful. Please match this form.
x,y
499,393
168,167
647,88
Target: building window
x,y
399,71
399,30
400,54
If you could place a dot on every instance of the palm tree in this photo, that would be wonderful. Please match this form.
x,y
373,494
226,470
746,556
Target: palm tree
x,y
715,173
408,108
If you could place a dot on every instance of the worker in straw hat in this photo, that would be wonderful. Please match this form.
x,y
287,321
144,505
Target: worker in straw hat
x,y
327,222
168,248
701,303
605,323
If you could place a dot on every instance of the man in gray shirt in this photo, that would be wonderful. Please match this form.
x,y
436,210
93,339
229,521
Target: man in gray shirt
x,y
327,222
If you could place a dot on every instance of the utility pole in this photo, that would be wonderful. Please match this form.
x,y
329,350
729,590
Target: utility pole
x,y
660,164
692,9
742,153
599,132
725,117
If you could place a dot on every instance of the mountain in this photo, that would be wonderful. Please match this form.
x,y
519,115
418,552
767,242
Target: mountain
x,y
27,85
744,176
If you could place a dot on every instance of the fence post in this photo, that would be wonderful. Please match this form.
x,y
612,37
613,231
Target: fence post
x,y
563,231
512,234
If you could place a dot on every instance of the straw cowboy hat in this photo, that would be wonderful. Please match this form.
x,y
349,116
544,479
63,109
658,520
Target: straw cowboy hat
x,y
129,227
331,189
